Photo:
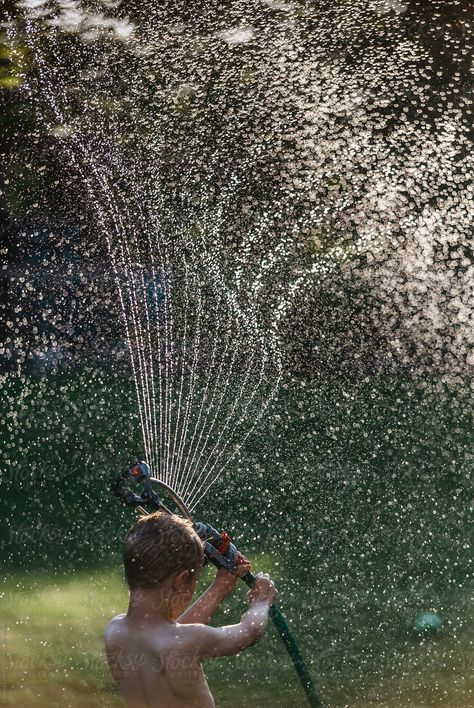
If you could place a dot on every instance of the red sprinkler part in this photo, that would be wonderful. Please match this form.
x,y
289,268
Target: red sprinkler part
x,y
225,543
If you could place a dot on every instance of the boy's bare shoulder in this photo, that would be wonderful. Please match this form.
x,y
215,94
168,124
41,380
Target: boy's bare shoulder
x,y
116,621
194,641
116,625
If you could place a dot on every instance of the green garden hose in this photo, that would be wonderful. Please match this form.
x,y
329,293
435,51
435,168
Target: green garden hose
x,y
292,647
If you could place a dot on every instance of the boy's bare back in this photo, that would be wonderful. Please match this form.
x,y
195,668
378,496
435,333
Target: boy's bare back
x,y
157,664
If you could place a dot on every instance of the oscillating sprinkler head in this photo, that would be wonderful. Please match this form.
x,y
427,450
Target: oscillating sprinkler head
x,y
139,472
218,547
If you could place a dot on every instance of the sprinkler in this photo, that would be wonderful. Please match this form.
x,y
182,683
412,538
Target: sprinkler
x,y
218,550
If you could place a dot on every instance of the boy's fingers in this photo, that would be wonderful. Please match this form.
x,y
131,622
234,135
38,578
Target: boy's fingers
x,y
242,559
243,569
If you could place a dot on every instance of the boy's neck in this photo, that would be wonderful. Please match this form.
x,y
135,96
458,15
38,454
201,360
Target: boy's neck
x,y
151,604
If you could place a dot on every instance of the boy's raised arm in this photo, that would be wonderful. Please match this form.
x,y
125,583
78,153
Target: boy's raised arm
x,y
222,641
224,583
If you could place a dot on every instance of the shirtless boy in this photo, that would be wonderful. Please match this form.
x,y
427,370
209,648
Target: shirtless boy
x,y
155,651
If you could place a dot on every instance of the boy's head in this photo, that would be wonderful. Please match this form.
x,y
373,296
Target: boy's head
x,y
161,548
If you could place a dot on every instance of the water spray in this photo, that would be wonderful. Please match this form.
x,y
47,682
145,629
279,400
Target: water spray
x,y
218,550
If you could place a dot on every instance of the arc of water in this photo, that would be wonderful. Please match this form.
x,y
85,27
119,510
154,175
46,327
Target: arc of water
x,y
200,477
194,464
156,436
174,468
153,423
168,364
194,495
191,464
156,418
127,261
192,385
183,475
200,422
194,501
143,385
145,367
45,71
188,490
203,401
162,334
187,476
142,367
192,461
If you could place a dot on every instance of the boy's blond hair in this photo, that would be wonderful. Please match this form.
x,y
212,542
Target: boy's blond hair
x,y
158,545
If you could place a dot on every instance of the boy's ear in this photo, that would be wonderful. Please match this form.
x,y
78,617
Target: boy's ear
x,y
181,579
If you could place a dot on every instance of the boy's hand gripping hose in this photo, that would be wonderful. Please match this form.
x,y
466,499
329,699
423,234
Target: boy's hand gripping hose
x,y
218,550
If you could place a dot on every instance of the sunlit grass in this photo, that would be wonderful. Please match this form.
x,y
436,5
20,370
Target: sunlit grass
x,y
53,637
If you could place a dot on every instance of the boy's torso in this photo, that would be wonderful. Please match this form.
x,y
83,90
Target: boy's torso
x,y
156,666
